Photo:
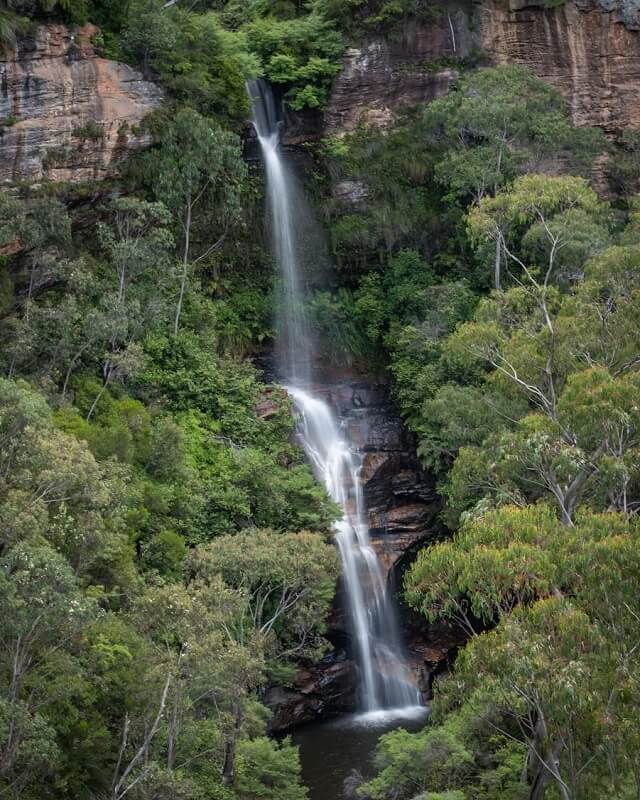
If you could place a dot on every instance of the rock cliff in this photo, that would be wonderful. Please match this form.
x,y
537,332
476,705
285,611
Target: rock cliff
x,y
591,55
65,113
385,74
590,51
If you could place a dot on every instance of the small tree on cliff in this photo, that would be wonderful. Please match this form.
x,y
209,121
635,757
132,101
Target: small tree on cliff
x,y
499,123
198,173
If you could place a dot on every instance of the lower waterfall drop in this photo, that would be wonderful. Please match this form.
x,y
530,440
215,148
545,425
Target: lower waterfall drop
x,y
386,683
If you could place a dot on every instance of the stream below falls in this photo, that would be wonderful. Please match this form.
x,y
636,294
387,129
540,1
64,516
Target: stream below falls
x,y
333,751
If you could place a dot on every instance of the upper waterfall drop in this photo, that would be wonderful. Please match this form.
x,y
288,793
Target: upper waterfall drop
x,y
385,679
285,205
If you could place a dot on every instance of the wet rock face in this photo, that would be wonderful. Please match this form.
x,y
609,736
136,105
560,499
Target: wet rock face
x,y
432,650
400,497
317,691
402,507
65,113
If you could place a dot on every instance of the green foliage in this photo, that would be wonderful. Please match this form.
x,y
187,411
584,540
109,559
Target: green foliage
x,y
335,317
302,55
165,553
199,62
269,771
495,124
414,179
74,606
543,680
11,25
625,165
553,224
442,758
131,430
549,351
199,173
405,309
390,173
282,574
164,547
364,15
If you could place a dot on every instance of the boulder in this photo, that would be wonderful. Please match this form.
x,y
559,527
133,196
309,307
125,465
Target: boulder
x,y
316,691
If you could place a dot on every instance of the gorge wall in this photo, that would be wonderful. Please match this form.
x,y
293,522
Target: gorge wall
x,y
589,51
65,113
590,55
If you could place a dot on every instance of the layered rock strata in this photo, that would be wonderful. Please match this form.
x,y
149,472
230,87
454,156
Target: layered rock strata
x,y
385,74
590,51
65,113
591,55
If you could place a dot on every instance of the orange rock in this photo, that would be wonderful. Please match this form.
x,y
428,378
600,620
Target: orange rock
x,y
74,115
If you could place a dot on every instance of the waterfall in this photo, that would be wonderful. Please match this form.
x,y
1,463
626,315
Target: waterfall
x,y
287,208
385,680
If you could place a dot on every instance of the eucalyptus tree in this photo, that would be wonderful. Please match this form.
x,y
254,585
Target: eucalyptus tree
x,y
136,275
203,667
542,697
579,441
497,124
541,224
199,174
43,612
289,580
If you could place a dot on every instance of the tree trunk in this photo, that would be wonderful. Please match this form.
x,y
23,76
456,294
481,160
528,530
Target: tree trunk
x,y
547,761
496,266
173,729
229,764
185,264
98,397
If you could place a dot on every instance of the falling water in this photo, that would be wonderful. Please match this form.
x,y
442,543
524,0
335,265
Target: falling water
x,y
287,208
385,679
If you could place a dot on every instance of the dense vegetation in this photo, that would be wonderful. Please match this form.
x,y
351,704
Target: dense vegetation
x,y
504,301
164,549
157,564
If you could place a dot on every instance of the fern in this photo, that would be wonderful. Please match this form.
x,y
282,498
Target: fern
x,y
11,24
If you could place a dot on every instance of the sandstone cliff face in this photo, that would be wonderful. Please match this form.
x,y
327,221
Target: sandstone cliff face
x,y
591,56
386,74
65,113
588,50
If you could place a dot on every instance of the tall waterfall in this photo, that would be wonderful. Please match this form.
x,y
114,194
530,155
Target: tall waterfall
x,y
385,679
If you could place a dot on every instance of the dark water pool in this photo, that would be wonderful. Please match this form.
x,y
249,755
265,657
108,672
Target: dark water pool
x,y
331,750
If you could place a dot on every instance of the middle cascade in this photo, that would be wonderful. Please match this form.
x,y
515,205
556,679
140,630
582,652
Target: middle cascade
x,y
385,679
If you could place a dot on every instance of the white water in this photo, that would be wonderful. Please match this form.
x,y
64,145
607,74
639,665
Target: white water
x,y
385,679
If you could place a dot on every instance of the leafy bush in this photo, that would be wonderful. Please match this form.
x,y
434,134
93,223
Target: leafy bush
x,y
302,55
